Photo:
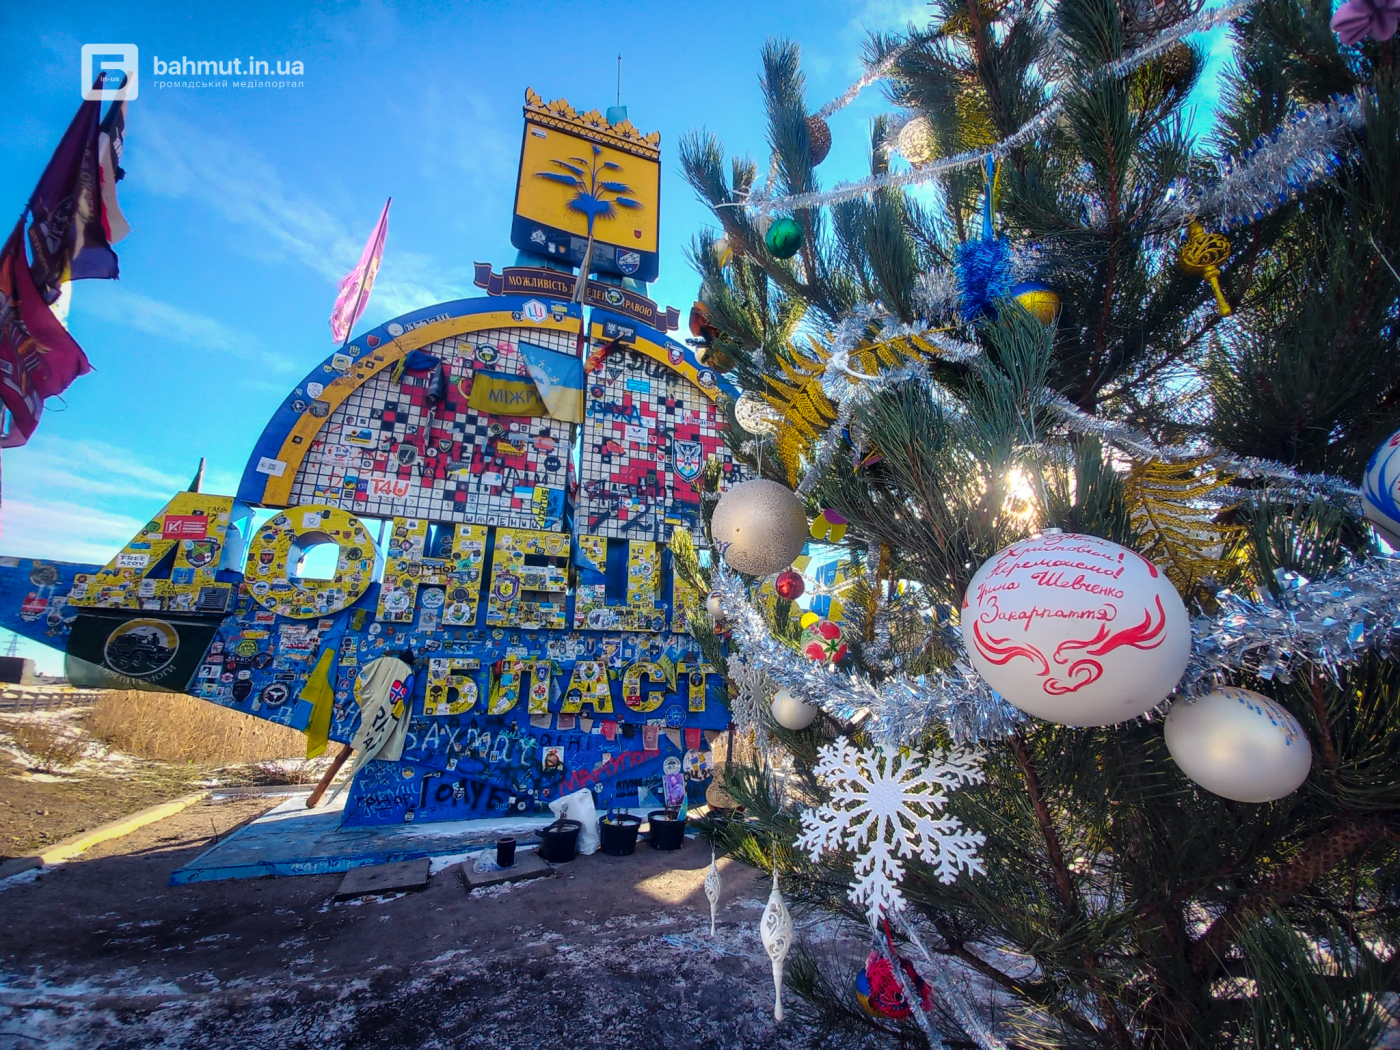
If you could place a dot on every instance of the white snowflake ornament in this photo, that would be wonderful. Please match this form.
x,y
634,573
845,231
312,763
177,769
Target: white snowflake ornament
x,y
884,805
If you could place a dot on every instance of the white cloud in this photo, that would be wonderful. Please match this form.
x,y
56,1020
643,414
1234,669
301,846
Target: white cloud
x,y
82,501
64,531
53,465
235,180
181,327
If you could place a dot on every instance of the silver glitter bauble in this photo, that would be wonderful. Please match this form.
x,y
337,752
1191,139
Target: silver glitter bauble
x,y
760,526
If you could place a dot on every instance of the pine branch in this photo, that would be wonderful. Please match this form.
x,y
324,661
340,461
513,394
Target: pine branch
x,y
1323,853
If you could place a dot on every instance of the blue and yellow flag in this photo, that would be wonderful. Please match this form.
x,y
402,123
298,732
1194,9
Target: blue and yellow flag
x,y
559,378
502,394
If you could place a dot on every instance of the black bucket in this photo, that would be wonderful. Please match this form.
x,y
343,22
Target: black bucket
x,y
619,833
667,829
559,841
505,852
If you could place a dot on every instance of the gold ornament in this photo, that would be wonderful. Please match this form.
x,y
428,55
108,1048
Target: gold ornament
x,y
917,141
1040,301
1202,255
1175,520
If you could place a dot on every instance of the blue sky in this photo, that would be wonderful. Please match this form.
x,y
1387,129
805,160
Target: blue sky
x,y
247,206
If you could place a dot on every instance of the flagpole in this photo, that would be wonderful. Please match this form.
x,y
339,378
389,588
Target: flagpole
x,y
360,296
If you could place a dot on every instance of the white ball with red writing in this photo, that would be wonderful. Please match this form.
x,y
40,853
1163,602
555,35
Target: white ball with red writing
x,y
1076,629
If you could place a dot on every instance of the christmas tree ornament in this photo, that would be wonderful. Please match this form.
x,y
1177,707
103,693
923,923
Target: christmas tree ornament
x,y
713,884
822,642
887,803
808,618
818,140
714,606
1380,490
760,526
1202,255
870,459
783,238
1239,745
984,265
829,526
756,415
712,357
775,929
790,711
700,326
878,990
1040,300
1076,629
789,585
917,142
1356,19
722,252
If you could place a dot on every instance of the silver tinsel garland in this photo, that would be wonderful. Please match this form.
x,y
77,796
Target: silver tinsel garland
x,y
1308,148
1026,133
897,711
849,389
1325,625
1140,446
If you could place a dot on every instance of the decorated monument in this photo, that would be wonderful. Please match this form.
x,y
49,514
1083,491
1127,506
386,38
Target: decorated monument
x,y
500,477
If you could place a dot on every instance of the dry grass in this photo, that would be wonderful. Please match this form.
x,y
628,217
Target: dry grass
x,y
53,746
170,727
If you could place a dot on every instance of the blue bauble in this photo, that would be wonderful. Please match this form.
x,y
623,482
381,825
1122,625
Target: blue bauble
x,y
1380,491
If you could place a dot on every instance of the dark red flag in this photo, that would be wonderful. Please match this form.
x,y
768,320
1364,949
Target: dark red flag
x,y
66,237
38,358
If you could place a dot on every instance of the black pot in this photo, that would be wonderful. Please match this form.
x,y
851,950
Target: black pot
x,y
559,841
667,829
619,834
505,852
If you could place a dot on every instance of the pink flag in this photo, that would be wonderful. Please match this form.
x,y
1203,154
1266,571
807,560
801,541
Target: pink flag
x,y
352,296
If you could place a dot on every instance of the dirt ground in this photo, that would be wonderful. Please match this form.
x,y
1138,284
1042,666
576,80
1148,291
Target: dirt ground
x,y
610,952
37,811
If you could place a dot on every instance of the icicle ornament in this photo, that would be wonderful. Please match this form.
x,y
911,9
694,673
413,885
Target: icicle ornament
x,y
775,929
713,885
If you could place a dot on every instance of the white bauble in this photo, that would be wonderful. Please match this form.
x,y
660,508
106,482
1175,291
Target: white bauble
x,y
1239,745
790,711
714,606
1380,490
1075,629
760,526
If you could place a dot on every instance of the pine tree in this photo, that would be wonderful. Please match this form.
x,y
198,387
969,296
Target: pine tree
x,y
1121,906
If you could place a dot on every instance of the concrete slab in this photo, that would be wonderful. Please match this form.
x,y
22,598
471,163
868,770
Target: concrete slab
x,y
384,878
290,839
526,866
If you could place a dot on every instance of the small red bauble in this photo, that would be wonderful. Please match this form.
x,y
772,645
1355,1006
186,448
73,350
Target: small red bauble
x,y
789,585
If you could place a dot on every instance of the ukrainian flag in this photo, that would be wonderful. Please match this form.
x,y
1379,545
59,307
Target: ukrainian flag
x,y
559,379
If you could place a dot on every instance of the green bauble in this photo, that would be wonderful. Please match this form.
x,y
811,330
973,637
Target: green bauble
x,y
784,238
